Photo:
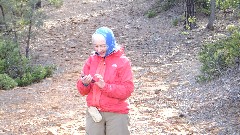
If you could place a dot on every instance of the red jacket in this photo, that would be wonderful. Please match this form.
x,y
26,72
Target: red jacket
x,y
118,79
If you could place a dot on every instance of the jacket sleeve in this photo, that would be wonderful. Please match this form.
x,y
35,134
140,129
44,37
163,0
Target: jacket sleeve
x,y
124,88
84,90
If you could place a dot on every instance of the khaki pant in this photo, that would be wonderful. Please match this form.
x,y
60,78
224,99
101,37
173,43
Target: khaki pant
x,y
111,124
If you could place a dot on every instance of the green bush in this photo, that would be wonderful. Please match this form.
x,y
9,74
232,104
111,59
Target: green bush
x,y
40,72
25,80
219,56
18,67
57,3
35,74
2,61
49,70
11,61
151,14
7,82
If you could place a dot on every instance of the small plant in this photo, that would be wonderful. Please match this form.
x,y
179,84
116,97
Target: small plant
x,y
187,27
18,67
192,19
35,74
175,22
185,33
219,56
151,14
57,3
7,82
40,72
25,80
232,28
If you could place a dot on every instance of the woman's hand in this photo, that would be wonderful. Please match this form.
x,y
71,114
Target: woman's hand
x,y
86,80
99,81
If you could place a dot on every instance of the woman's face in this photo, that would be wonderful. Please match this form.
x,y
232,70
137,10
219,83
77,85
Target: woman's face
x,y
99,44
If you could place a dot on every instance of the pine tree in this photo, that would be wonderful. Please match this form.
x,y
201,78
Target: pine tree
x,y
19,17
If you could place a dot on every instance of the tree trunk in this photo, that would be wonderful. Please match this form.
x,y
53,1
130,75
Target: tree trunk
x,y
38,4
34,7
190,15
3,18
212,15
29,31
28,39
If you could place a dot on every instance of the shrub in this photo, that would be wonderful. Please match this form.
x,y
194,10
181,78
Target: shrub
x,y
18,68
218,57
25,80
2,66
7,82
11,61
35,74
175,22
232,28
151,14
40,72
49,70
57,3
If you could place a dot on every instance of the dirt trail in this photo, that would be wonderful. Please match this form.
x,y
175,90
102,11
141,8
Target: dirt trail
x,y
160,54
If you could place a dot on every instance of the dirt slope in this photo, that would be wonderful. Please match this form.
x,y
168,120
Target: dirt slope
x,y
167,99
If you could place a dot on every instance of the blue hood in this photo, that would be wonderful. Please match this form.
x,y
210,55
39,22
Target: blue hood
x,y
109,37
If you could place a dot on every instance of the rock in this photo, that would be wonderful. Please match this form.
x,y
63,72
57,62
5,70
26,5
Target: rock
x,y
55,107
81,128
52,132
157,91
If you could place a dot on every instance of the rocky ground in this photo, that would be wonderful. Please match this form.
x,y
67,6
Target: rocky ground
x,y
167,98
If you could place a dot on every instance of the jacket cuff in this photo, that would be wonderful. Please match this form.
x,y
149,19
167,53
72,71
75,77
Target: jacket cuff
x,y
85,84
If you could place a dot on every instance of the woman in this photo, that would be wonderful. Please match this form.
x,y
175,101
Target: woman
x,y
107,80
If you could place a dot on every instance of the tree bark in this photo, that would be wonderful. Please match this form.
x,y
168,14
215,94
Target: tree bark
x,y
29,31
189,14
4,21
212,15
38,4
